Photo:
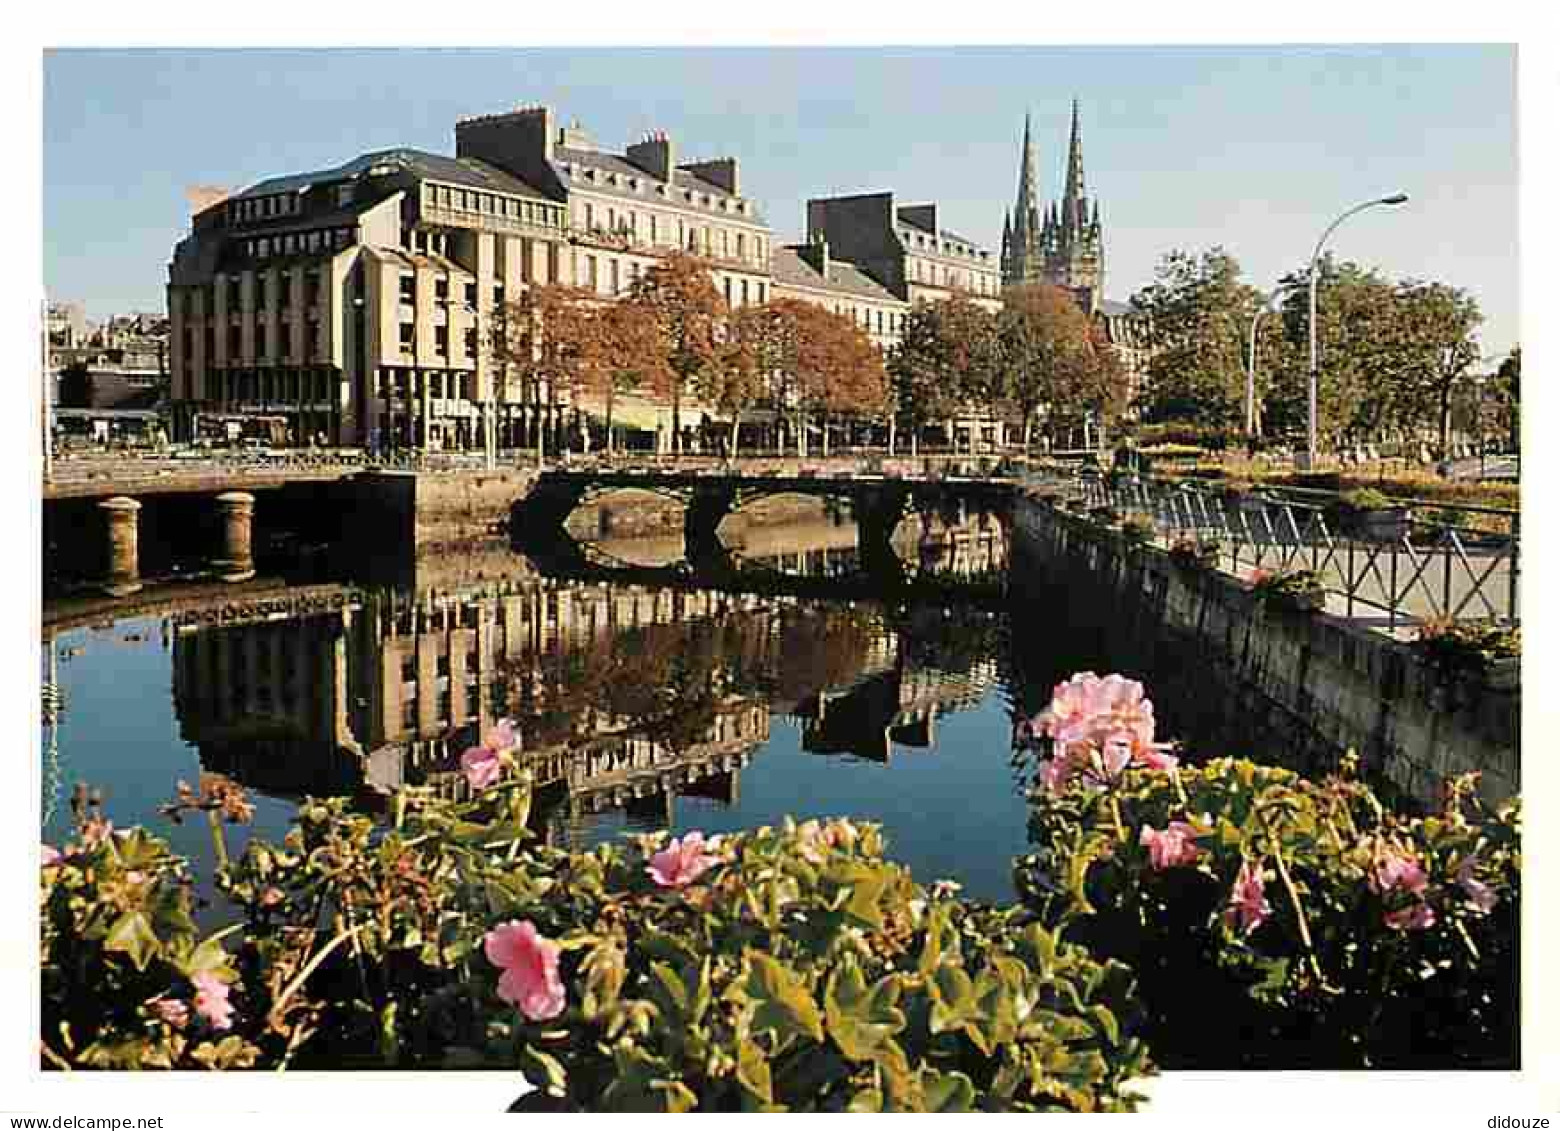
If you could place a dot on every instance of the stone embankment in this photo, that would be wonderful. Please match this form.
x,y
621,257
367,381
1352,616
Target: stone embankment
x,y
1320,683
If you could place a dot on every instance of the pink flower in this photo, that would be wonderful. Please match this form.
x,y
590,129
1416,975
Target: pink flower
x,y
1248,908
529,963
1107,717
211,1000
1414,917
481,766
1052,774
1396,869
1481,894
1171,847
51,856
174,1012
95,831
681,862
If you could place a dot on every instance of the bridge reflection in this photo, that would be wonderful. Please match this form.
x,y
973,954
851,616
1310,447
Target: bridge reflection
x,y
629,697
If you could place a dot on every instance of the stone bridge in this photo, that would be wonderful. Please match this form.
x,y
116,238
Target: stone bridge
x,y
877,503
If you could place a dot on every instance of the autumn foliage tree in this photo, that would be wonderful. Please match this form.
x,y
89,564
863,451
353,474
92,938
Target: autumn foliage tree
x,y
946,359
1050,356
690,315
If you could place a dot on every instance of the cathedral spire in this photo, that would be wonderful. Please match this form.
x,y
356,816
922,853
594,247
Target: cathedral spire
x,y
1073,194
1026,178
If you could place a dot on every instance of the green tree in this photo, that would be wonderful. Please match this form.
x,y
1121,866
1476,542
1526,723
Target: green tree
x,y
946,359
1197,315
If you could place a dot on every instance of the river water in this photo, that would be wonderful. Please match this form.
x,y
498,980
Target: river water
x,y
644,698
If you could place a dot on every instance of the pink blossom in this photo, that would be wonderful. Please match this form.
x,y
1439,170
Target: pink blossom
x,y
174,1012
1171,847
1106,724
1052,774
483,765
529,963
1248,907
1414,917
51,856
681,862
1395,869
1481,894
211,1000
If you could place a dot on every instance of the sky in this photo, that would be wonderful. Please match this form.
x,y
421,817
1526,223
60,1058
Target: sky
x,y
1256,149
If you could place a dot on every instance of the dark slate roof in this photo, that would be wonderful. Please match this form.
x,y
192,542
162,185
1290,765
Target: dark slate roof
x,y
789,269
432,166
682,181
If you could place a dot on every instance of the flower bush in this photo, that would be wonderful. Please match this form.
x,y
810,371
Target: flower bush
x,y
1286,588
1190,552
789,968
1320,929
1461,648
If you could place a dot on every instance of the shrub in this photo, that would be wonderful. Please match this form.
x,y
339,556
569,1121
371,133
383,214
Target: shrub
x,y
1314,927
1286,588
1191,552
1138,530
789,968
1458,648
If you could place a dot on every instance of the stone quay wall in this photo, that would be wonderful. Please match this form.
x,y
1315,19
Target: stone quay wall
x,y
1320,684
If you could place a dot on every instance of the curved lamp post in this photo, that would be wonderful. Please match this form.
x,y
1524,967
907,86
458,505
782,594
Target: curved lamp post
x,y
1251,356
1395,198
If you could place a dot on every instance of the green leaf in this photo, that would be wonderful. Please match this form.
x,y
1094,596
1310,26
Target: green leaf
x,y
785,1006
544,1070
753,1072
947,1091
132,935
953,998
861,1020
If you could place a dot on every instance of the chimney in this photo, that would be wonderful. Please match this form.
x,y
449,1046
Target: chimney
x,y
722,172
655,155
817,254
519,142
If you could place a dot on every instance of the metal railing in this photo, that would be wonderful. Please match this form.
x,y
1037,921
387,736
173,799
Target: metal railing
x,y
1417,561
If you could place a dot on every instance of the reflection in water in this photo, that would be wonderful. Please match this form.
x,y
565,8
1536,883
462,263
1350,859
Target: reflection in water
x,y
631,701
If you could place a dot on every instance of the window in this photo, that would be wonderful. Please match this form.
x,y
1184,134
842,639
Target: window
x,y
744,292
408,339
408,288
262,340
471,342
259,292
741,244
441,288
655,236
311,289
234,295
471,295
590,217
286,288
343,195
441,340
312,335
616,281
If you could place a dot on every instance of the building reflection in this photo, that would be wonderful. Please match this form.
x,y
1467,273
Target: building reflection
x,y
630,701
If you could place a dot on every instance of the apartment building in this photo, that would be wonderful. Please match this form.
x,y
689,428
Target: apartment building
x,y
353,304
628,209
905,250
810,273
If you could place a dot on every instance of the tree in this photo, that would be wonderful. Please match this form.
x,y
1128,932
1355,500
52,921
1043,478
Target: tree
x,y
1197,314
1508,393
946,357
1048,353
740,376
623,352
1437,326
691,315
545,335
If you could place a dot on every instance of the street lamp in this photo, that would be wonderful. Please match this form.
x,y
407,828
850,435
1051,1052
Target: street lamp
x,y
1395,198
1251,356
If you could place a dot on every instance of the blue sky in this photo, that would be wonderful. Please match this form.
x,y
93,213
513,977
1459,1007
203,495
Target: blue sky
x,y
1256,149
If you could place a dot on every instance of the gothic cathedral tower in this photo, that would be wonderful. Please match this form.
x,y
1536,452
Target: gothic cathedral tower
x,y
1066,246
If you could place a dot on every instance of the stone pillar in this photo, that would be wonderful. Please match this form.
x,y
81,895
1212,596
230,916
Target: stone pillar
x,y
237,562
124,570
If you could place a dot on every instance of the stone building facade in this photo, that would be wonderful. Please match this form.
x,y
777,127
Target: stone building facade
x,y
810,273
352,303
904,250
